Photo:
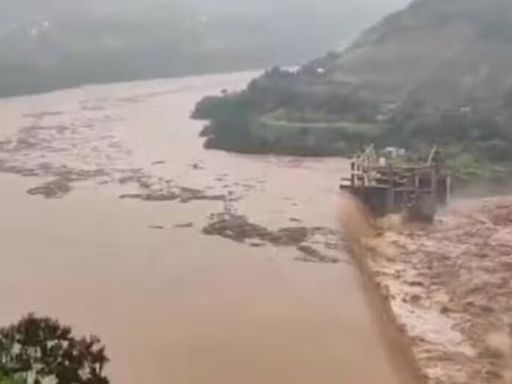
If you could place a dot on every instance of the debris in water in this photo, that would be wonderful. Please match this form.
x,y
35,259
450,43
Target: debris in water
x,y
311,255
197,166
185,225
54,189
180,194
238,228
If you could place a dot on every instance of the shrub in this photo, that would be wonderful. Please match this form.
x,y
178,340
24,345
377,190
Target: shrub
x,y
38,349
4,379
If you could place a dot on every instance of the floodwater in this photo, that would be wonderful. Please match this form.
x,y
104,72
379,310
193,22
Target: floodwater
x,y
171,304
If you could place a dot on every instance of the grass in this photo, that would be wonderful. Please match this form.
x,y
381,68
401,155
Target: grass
x,y
468,169
281,124
10,380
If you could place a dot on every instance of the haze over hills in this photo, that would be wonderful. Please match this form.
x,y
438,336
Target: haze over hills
x,y
438,71
444,53
58,43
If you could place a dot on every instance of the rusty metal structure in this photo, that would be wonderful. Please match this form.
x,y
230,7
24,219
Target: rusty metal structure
x,y
398,184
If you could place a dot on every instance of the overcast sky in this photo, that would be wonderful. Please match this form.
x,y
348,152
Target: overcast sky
x,y
48,44
362,8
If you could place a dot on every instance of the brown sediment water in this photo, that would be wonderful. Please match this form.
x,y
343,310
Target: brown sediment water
x,y
448,286
360,231
174,300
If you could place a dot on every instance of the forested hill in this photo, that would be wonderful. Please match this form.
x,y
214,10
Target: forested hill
x,y
443,53
438,71
52,44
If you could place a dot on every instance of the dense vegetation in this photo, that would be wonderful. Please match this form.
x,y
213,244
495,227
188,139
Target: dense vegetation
x,y
9,380
281,113
278,113
39,349
386,90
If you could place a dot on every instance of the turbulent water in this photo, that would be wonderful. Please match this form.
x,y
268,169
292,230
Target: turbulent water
x,y
192,266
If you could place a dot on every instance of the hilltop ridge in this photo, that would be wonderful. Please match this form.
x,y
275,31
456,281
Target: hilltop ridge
x,y
434,72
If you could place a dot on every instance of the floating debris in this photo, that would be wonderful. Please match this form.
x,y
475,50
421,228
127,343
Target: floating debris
x,y
238,228
185,225
54,189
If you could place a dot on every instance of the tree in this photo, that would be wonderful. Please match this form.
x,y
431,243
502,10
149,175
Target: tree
x,y
39,348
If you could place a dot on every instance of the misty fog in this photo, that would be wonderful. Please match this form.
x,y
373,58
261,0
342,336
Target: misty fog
x,y
57,43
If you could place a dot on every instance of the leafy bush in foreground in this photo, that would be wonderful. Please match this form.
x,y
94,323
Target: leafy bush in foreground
x,y
10,380
38,349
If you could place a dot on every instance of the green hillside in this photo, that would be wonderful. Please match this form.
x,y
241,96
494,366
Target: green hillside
x,y
436,72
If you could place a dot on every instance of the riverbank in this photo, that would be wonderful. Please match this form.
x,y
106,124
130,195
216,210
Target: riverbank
x,y
449,290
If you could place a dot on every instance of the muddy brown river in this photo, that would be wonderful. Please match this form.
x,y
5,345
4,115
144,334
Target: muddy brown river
x,y
193,266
